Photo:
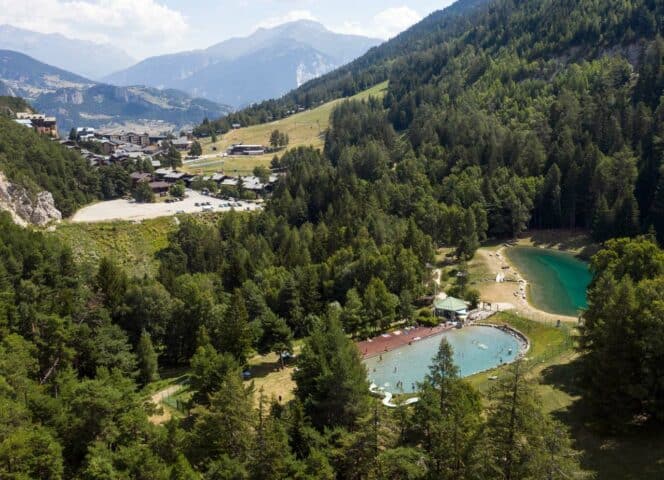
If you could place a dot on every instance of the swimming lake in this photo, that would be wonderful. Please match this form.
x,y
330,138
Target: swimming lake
x,y
557,280
476,348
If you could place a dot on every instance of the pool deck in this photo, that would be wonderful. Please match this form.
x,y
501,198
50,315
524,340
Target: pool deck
x,y
390,341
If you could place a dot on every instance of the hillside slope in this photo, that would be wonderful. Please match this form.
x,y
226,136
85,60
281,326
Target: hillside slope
x,y
35,164
304,129
234,71
364,72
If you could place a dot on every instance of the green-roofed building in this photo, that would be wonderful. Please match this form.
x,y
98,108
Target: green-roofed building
x,y
450,308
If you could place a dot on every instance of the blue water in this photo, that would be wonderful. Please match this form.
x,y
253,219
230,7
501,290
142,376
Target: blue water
x,y
557,281
475,349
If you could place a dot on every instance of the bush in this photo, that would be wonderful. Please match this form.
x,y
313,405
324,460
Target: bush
x,y
426,317
473,296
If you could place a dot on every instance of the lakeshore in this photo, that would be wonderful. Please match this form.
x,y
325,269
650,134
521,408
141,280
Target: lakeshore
x,y
512,293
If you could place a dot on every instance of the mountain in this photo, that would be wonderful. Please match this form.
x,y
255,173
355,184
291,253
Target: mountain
x,y
77,101
365,71
91,60
234,71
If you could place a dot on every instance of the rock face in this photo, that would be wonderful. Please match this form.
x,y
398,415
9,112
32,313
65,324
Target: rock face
x,y
26,208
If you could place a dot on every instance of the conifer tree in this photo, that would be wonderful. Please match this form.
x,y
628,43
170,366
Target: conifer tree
x,y
235,336
147,360
331,379
521,441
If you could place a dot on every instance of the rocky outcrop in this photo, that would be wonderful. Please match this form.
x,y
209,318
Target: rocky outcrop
x,y
25,208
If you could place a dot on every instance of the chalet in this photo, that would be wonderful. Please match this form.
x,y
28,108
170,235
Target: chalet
x,y
173,177
109,147
140,139
138,177
156,139
162,172
242,149
182,143
450,308
159,187
40,123
236,126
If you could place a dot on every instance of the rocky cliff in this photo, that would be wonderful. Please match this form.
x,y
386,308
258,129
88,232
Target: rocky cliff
x,y
26,208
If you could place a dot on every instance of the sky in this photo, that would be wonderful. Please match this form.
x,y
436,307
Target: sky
x,y
153,27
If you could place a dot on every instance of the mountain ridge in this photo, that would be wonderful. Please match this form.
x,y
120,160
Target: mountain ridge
x,y
77,101
313,49
64,52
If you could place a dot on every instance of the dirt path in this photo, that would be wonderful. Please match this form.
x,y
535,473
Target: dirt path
x,y
509,295
158,399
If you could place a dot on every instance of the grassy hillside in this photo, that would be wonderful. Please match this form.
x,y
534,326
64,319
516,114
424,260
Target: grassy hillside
x,y
304,129
132,245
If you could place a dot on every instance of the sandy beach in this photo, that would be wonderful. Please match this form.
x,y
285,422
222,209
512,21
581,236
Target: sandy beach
x,y
509,295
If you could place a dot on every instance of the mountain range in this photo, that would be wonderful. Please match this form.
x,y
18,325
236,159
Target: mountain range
x,y
91,60
234,72
78,101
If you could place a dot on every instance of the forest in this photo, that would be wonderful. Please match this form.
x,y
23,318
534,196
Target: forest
x,y
515,117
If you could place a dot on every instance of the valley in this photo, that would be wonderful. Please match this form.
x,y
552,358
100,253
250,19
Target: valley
x,y
439,255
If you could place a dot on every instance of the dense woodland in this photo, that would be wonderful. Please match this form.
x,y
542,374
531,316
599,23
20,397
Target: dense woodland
x,y
528,114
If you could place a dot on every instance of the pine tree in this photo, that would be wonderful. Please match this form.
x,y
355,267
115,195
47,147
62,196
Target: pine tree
x,y
235,336
521,441
147,360
468,242
447,418
226,426
331,379
112,282
271,456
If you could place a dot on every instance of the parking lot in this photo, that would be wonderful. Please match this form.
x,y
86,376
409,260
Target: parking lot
x,y
130,210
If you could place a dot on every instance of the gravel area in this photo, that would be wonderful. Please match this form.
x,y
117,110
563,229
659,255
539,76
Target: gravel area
x,y
130,210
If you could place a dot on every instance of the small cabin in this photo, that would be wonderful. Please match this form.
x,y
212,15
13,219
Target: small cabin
x,y
451,308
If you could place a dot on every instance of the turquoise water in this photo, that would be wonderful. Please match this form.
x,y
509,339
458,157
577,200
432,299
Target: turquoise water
x,y
475,349
557,280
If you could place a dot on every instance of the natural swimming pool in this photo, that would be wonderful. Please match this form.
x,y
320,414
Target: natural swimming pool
x,y
557,280
476,348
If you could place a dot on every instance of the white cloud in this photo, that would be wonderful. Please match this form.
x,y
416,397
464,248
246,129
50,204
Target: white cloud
x,y
139,26
291,16
384,25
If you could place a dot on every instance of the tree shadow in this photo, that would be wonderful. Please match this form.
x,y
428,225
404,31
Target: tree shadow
x,y
576,240
634,453
266,367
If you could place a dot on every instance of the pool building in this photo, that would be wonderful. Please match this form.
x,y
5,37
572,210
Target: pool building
x,y
451,308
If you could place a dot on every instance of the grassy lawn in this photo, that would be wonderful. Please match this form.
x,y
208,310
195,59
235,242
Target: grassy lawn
x,y
554,364
304,129
268,376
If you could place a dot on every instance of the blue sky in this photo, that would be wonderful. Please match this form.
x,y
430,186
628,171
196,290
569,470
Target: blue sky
x,y
151,27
